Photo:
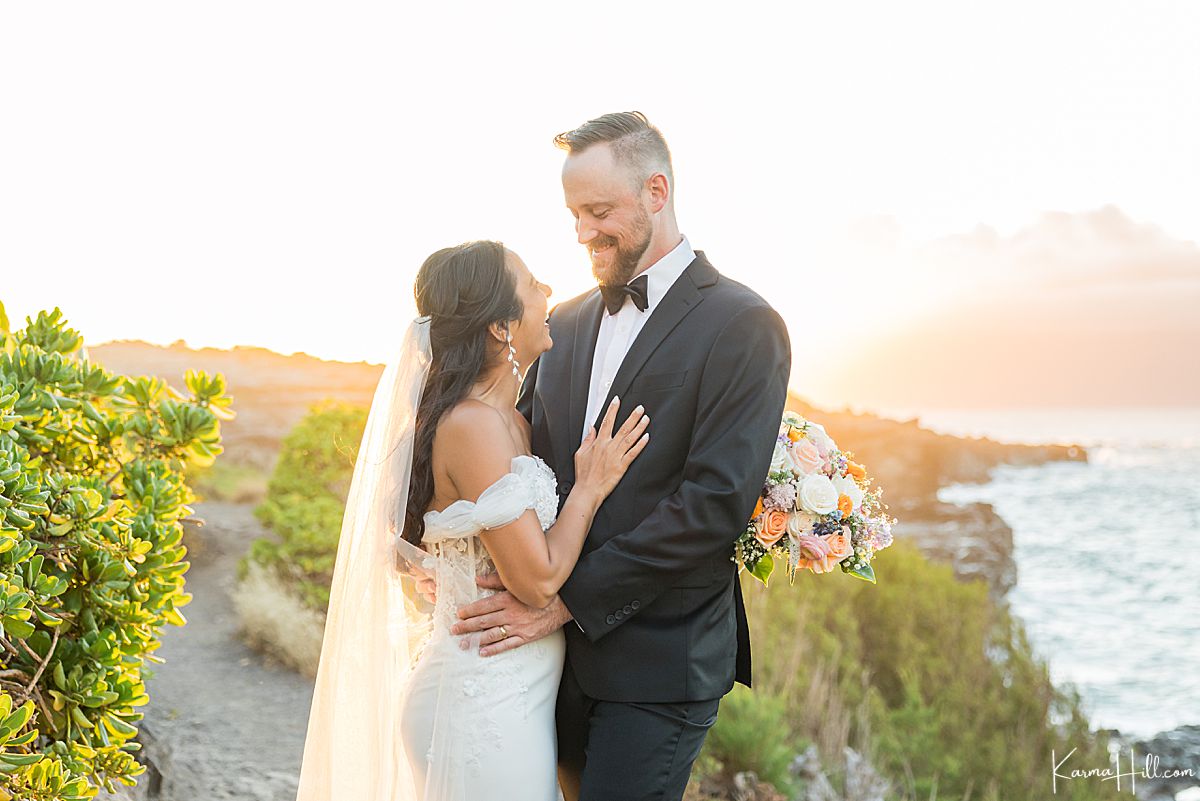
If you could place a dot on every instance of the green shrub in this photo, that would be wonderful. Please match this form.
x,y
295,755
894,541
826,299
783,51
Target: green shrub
x,y
752,733
306,499
91,503
924,674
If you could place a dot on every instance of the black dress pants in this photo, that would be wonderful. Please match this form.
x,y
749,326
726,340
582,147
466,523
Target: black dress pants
x,y
617,751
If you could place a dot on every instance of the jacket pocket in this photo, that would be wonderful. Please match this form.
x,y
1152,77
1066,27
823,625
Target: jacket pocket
x,y
655,381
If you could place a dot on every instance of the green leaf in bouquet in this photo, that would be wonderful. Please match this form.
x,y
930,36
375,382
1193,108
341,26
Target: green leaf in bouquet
x,y
763,568
866,572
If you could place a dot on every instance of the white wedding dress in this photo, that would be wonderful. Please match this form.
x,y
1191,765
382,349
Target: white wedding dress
x,y
478,728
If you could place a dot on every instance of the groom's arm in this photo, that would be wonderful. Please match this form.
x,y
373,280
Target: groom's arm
x,y
742,393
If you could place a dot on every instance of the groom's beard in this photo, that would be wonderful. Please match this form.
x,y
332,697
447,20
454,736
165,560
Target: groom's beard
x,y
625,260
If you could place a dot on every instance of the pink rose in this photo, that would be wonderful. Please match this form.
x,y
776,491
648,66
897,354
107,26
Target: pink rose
x,y
822,554
812,549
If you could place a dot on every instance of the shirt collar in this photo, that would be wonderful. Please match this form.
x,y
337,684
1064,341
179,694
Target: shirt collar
x,y
661,275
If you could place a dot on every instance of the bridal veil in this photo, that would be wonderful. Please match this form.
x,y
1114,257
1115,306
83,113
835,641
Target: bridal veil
x,y
376,622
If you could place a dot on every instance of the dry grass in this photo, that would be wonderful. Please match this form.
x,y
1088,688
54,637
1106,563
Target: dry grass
x,y
275,622
229,481
813,686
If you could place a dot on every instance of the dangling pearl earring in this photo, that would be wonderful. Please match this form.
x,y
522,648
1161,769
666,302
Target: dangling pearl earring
x,y
512,355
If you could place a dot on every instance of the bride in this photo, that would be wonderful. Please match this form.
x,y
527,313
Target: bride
x,y
445,489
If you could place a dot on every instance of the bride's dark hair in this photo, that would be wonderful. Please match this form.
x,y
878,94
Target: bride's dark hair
x,y
463,289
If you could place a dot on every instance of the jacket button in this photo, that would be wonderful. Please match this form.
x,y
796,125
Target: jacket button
x,y
564,487
636,604
620,615
629,609
610,620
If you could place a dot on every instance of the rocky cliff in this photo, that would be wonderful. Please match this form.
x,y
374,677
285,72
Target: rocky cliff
x,y
911,463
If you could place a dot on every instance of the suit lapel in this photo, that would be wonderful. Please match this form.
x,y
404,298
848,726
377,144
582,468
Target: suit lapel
x,y
681,299
587,330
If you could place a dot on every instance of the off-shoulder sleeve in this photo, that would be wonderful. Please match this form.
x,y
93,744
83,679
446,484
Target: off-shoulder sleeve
x,y
498,505
504,501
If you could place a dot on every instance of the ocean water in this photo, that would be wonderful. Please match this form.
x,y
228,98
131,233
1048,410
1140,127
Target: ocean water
x,y
1107,553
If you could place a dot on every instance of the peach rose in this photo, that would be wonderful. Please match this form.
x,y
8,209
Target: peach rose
x,y
839,549
806,457
770,527
856,470
793,433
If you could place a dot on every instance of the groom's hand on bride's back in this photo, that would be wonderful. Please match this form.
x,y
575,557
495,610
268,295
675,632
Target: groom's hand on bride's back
x,y
427,586
504,622
490,581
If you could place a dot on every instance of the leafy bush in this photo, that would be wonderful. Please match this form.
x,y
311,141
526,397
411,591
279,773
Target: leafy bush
x,y
937,685
306,500
91,503
752,733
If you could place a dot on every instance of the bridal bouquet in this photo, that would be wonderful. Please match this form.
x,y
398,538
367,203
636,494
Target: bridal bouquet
x,y
817,510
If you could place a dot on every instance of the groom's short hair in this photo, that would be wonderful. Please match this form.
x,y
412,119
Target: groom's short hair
x,y
634,141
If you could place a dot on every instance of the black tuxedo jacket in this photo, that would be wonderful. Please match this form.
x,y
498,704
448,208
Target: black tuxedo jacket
x,y
655,596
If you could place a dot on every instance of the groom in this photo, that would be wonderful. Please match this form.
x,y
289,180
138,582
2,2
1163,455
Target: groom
x,y
659,629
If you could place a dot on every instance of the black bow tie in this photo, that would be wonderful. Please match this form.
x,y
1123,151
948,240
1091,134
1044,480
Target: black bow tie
x,y
614,296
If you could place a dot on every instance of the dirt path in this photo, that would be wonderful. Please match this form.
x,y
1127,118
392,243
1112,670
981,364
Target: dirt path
x,y
223,722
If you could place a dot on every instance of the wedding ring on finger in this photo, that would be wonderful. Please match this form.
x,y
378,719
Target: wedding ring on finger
x,y
503,633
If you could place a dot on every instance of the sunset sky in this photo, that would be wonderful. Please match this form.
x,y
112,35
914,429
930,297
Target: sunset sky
x,y
947,203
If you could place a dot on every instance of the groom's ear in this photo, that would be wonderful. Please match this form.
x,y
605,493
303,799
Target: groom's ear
x,y
660,191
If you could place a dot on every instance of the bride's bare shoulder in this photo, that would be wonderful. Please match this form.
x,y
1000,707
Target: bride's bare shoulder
x,y
474,447
474,431
469,418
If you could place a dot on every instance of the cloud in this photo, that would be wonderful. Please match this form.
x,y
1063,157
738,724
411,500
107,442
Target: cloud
x,y
1064,250
1083,309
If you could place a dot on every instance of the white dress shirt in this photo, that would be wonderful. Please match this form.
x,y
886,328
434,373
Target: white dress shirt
x,y
617,331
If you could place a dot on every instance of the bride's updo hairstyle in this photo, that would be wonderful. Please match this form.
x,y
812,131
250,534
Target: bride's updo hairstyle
x,y
463,289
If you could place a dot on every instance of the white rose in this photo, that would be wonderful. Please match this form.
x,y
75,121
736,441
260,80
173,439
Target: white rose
x,y
816,432
800,523
818,495
845,486
779,459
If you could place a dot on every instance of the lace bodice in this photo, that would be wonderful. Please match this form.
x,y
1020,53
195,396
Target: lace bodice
x,y
456,553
